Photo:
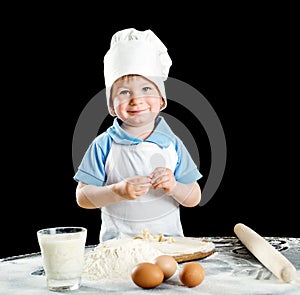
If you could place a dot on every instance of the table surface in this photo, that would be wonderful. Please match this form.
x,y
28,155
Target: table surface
x,y
232,269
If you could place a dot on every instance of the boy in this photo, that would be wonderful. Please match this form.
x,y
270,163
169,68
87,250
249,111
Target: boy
x,y
137,171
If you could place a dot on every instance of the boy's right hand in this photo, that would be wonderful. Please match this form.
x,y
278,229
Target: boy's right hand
x,y
132,188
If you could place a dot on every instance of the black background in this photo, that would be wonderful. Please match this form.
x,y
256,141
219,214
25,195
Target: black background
x,y
244,66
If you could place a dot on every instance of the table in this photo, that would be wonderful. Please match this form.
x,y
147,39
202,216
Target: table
x,y
232,269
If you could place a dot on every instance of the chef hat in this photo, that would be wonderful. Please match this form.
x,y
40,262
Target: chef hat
x,y
136,52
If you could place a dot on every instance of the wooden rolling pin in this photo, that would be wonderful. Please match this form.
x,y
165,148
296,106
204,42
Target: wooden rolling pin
x,y
271,258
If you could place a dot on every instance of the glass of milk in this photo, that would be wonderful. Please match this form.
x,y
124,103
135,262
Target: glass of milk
x,y
62,250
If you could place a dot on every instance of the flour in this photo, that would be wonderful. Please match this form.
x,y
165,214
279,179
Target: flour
x,y
116,259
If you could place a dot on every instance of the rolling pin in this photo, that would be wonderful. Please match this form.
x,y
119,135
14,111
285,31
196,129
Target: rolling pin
x,y
271,258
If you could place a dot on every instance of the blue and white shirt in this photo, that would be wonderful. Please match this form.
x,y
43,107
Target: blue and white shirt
x,y
115,155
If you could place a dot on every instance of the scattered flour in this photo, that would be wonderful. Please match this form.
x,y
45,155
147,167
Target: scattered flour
x,y
115,259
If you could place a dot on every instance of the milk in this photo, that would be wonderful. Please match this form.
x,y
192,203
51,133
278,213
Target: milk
x,y
63,255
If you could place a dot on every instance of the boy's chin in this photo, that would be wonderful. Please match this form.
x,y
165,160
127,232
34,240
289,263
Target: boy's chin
x,y
141,120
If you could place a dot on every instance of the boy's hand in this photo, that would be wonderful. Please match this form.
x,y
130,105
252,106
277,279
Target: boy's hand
x,y
163,178
132,188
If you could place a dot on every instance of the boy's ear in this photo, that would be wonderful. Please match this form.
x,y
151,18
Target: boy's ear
x,y
112,111
111,108
162,103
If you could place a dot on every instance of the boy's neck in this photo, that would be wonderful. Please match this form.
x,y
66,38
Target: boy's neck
x,y
141,132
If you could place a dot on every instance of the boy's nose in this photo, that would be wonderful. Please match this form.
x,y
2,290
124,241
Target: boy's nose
x,y
135,99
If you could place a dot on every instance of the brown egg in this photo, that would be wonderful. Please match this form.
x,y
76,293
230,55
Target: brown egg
x,y
191,274
147,275
167,264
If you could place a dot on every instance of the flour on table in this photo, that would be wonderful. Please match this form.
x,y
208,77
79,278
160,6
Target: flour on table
x,y
117,258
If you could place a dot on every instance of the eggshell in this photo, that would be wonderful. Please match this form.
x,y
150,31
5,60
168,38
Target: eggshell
x,y
191,274
147,275
167,264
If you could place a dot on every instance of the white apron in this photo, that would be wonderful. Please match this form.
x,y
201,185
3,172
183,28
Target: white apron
x,y
155,211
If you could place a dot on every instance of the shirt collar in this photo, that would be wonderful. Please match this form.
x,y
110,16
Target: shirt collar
x,y
160,136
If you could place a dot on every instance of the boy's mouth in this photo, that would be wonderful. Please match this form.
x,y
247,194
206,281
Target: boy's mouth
x,y
136,112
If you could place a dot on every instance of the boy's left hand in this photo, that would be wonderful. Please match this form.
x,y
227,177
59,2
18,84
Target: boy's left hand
x,y
162,178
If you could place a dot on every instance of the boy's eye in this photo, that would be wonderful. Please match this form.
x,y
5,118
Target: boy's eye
x,y
124,92
146,89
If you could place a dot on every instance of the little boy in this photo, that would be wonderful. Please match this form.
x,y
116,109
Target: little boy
x,y
137,171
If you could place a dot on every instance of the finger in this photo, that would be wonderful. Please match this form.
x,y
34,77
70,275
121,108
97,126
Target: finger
x,y
138,194
141,191
134,195
137,181
143,187
143,180
158,174
159,170
161,181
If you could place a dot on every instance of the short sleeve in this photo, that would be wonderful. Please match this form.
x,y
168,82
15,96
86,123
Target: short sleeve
x,y
186,170
92,167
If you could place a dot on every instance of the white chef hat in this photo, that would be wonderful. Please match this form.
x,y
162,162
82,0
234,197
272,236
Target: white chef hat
x,y
136,52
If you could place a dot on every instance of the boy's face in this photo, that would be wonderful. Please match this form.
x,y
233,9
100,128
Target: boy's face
x,y
136,100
